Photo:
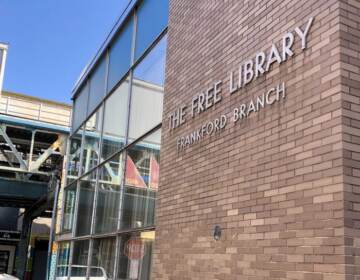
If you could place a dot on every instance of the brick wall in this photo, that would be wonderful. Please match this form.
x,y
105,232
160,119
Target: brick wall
x,y
276,182
350,79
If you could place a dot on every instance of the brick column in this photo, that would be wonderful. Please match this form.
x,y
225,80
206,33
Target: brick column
x,y
282,183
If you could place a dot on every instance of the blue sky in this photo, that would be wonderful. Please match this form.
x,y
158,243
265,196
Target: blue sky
x,y
51,41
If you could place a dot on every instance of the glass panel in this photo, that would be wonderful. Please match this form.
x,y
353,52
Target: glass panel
x,y
69,207
135,255
103,258
74,157
108,201
62,269
147,92
80,107
141,182
79,262
120,55
97,85
92,141
86,201
152,18
115,120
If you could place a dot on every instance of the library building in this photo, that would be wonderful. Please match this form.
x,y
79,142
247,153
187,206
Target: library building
x,y
216,140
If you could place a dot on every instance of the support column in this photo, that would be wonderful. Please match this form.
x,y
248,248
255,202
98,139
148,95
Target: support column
x,y
24,245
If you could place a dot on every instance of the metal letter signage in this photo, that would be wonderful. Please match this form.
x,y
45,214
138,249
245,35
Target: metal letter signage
x,y
247,72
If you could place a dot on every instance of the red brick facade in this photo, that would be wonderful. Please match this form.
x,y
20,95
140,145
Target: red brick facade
x,y
284,183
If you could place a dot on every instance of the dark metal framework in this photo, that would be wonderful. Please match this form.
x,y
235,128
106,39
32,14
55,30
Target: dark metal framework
x,y
31,160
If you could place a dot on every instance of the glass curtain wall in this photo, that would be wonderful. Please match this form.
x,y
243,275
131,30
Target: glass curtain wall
x,y
73,156
62,268
108,225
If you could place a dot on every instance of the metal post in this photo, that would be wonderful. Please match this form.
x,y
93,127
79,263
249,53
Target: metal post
x,y
76,206
31,149
55,180
3,48
23,245
93,219
70,258
64,180
89,258
124,153
7,105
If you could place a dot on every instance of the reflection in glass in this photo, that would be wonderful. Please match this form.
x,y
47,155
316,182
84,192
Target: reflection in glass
x,y
86,201
97,85
80,107
115,119
152,18
74,156
79,261
69,207
108,201
135,255
141,182
92,141
147,92
120,55
138,209
62,269
103,256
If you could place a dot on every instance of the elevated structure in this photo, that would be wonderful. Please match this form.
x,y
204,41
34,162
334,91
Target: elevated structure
x,y
33,137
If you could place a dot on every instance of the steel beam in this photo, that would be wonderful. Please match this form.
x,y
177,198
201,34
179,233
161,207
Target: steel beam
x,y
23,246
23,164
44,156
20,170
20,193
